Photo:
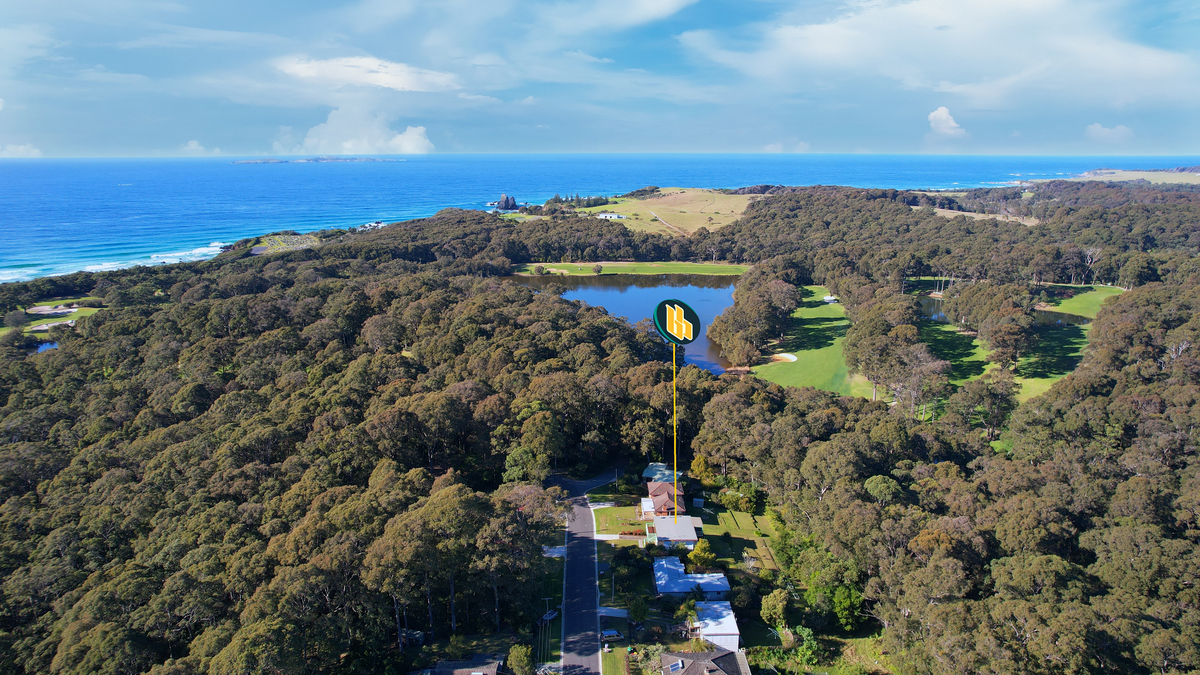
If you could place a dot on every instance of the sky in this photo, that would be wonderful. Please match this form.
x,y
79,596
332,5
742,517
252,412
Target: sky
x,y
164,78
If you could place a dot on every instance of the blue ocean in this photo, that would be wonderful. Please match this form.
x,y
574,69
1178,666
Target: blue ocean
x,y
64,215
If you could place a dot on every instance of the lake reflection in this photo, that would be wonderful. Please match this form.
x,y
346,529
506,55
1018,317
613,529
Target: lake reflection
x,y
634,296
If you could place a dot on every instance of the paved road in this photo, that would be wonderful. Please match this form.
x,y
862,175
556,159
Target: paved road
x,y
581,624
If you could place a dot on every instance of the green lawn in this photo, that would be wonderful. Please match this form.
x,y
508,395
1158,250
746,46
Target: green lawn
x,y
35,319
730,533
615,519
548,642
585,269
1058,352
816,341
967,356
1086,302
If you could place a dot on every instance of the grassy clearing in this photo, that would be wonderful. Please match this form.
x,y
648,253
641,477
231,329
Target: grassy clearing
x,y
39,319
585,269
732,533
278,243
616,519
1058,352
967,356
816,341
1085,301
948,213
678,210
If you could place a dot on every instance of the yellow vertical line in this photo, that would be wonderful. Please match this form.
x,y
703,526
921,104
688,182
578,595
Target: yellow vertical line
x,y
675,430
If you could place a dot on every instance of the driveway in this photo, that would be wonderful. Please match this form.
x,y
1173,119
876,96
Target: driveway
x,y
581,596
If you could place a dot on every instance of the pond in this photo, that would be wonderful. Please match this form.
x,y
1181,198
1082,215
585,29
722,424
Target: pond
x,y
931,308
45,346
634,296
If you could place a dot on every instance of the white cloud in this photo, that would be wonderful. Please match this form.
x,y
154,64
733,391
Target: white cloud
x,y
778,147
349,131
185,37
1117,134
194,147
19,44
943,126
479,97
19,151
574,18
584,56
992,54
368,71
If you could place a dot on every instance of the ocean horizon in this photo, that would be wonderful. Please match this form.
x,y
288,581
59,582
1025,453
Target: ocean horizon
x,y
59,216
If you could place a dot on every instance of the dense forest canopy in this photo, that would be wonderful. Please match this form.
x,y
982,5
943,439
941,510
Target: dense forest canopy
x,y
278,462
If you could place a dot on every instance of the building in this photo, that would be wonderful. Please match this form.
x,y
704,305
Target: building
x,y
670,578
480,664
720,662
671,530
656,488
646,509
664,505
658,472
715,622
610,216
665,498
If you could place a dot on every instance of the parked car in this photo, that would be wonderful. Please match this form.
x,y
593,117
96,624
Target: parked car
x,y
611,635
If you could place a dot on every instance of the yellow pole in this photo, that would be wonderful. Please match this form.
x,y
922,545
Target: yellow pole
x,y
675,429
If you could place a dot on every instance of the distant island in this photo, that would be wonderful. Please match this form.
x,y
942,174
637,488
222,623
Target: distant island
x,y
312,160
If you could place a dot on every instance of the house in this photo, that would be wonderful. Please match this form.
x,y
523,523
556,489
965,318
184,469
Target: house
x,y
671,530
720,662
610,216
665,505
658,472
646,509
665,498
671,579
656,488
715,622
480,664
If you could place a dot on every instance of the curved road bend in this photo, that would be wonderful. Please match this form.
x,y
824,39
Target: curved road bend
x,y
581,595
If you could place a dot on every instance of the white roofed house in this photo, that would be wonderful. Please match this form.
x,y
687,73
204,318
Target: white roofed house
x,y
670,578
715,622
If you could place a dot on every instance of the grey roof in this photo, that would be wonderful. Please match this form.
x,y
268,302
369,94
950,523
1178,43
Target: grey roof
x,y
669,577
486,664
666,527
719,662
658,471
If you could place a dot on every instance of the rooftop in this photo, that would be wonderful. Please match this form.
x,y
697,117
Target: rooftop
x,y
656,488
480,664
670,577
657,471
716,618
666,527
720,662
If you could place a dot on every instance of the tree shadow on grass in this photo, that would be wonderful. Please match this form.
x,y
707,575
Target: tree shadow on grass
x,y
814,333
1059,350
954,347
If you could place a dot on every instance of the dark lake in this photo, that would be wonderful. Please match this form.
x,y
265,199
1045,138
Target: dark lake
x,y
634,296
931,308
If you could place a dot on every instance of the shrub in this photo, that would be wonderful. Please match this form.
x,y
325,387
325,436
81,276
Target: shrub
x,y
520,660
